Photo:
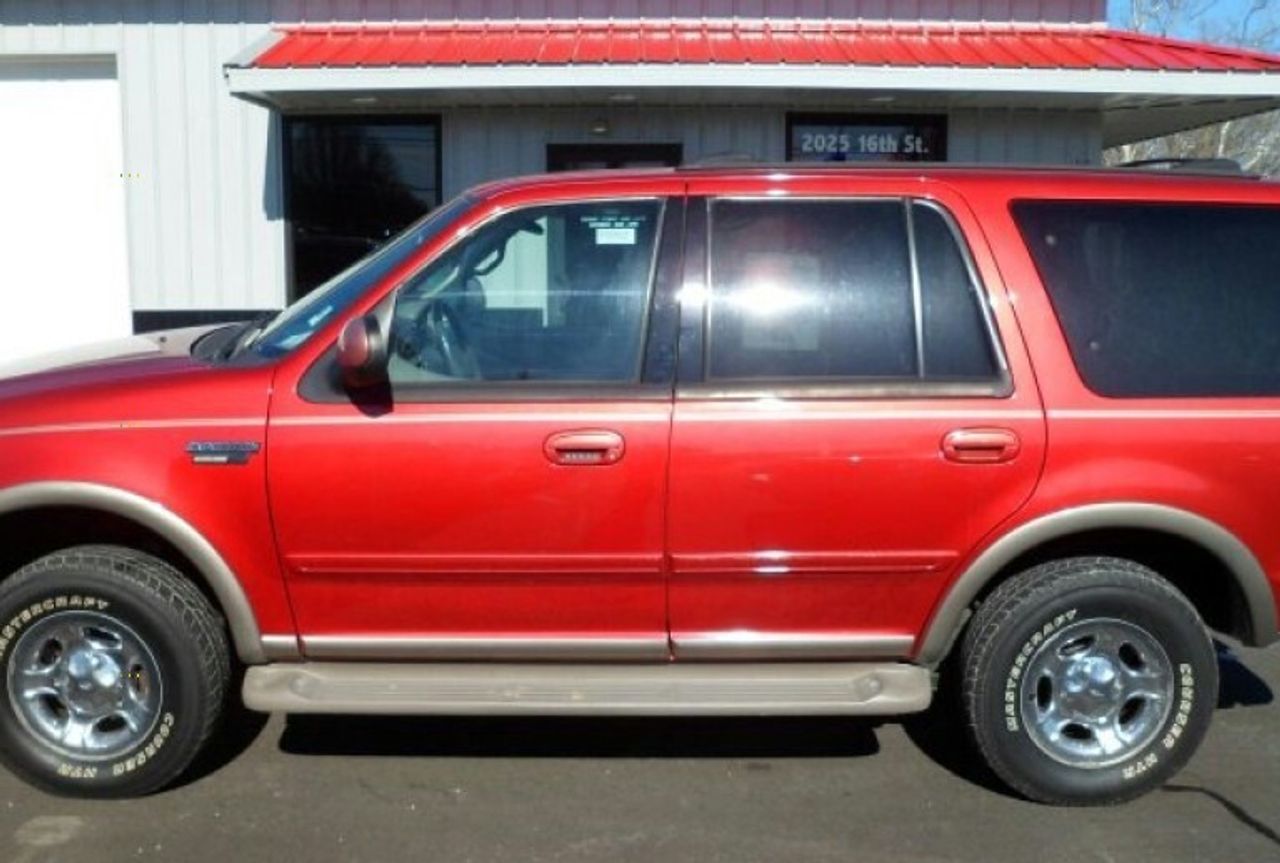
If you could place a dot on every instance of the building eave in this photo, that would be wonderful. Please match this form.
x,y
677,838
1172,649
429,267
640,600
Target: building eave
x,y
263,82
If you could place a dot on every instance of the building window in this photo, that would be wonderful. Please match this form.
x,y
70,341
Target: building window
x,y
352,183
866,138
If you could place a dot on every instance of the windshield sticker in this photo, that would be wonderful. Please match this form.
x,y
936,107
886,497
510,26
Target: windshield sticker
x,y
614,230
615,236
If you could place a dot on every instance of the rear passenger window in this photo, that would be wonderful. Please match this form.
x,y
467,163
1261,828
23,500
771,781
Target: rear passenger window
x,y
872,290
956,337
1163,299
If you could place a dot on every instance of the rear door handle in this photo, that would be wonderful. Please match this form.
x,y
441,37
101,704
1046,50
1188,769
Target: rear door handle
x,y
585,447
981,445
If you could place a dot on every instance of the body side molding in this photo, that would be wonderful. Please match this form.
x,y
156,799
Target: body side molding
x,y
156,517
454,648
743,645
1217,540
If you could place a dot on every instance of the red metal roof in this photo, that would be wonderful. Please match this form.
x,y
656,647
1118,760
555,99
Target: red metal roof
x,y
733,42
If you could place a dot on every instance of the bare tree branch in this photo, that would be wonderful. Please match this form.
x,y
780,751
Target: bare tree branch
x,y
1252,141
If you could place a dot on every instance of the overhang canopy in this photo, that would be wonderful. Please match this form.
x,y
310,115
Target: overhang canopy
x,y
1144,85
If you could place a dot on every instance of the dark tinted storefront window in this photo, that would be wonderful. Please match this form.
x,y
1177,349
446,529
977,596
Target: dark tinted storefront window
x,y
1161,299
353,183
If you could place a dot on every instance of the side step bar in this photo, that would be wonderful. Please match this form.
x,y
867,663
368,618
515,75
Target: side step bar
x,y
655,690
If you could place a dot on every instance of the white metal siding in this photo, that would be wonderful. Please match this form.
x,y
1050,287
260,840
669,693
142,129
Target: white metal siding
x,y
203,193
1025,137
486,143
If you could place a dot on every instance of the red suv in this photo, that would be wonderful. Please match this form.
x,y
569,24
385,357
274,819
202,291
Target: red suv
x,y
736,441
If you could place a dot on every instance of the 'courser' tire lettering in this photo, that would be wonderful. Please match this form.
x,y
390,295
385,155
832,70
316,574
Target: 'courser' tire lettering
x,y
1087,681
115,669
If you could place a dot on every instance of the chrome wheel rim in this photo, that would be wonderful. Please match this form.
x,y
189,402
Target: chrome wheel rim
x,y
85,685
1096,692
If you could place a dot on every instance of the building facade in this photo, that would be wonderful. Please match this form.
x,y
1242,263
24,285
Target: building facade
x,y
178,161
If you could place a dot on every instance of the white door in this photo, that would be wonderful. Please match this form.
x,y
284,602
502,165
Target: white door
x,y
63,268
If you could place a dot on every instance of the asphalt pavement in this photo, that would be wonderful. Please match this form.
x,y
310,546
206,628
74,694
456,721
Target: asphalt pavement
x,y
286,789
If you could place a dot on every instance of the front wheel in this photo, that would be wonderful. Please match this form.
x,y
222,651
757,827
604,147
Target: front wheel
x,y
115,667
1087,681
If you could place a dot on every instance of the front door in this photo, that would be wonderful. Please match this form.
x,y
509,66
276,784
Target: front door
x,y
507,501
855,427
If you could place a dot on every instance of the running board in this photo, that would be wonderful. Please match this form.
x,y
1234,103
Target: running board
x,y
660,689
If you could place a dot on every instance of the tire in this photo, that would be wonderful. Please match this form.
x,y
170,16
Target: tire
x,y
116,669
1087,681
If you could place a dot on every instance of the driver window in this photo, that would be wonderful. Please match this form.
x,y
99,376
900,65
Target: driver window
x,y
555,293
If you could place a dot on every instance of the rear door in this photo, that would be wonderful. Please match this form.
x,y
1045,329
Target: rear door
x,y
854,413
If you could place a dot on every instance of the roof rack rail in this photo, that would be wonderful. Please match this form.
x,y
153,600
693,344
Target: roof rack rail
x,y
720,160
1196,166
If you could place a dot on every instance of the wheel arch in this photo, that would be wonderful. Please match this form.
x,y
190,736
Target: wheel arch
x,y
1086,527
151,518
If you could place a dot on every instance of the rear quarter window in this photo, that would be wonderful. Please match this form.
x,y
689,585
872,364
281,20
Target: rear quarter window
x,y
1158,299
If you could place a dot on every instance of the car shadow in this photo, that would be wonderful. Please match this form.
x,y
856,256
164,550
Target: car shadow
x,y
580,737
239,729
1238,686
937,732
940,733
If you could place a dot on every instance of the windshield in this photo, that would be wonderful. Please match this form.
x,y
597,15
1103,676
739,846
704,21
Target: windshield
x,y
300,321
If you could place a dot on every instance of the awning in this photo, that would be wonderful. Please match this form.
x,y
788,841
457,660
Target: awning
x,y
1144,84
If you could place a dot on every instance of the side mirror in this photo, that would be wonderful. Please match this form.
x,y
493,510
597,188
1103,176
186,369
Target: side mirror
x,y
362,353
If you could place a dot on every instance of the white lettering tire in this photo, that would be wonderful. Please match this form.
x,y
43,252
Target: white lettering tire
x,y
116,668
1087,681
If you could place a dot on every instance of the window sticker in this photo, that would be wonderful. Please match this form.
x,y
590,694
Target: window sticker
x,y
615,236
614,230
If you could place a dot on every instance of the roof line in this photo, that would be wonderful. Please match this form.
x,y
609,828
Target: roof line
x,y
711,21
1192,45
768,42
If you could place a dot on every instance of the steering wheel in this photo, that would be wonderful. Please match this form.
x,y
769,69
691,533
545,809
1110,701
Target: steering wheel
x,y
441,337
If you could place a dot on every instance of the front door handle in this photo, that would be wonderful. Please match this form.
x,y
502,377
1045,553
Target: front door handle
x,y
981,445
585,447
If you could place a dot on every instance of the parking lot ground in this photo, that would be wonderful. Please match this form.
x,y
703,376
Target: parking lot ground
x,y
380,789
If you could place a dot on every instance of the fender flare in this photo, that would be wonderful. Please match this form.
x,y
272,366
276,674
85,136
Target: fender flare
x,y
950,616
155,517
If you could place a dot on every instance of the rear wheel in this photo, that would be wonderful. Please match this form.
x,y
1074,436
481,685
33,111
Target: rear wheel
x,y
116,669
1087,681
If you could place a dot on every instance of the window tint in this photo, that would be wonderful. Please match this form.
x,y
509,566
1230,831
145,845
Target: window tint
x,y
957,343
1163,300
555,293
825,289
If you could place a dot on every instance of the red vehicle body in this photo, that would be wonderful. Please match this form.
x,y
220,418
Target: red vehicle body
x,y
746,525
